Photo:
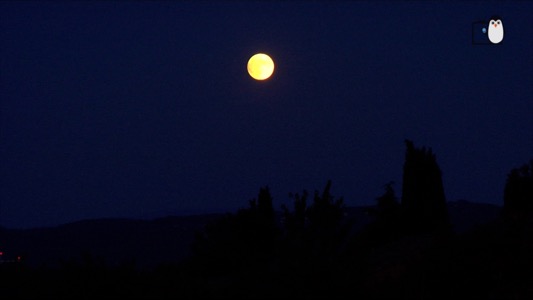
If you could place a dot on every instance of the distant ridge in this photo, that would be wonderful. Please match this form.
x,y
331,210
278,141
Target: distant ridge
x,y
148,243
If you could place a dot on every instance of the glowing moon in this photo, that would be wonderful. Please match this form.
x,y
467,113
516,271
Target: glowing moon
x,y
260,66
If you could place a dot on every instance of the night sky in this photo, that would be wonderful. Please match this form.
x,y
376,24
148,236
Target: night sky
x,y
145,108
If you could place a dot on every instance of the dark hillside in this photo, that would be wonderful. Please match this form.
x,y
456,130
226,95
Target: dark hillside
x,y
150,242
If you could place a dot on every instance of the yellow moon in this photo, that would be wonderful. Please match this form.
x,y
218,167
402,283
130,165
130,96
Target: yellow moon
x,y
260,66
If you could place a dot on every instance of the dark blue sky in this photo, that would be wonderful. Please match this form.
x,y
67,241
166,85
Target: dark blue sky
x,y
142,108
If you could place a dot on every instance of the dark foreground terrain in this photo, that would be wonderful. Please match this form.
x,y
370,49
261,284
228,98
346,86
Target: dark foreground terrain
x,y
481,257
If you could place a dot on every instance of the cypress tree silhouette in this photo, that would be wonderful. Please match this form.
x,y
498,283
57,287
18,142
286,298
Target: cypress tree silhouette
x,y
518,192
423,202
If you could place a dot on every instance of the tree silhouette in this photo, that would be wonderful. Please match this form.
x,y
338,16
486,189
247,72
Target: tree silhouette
x,y
250,250
319,223
387,205
518,192
423,201
313,238
387,214
239,241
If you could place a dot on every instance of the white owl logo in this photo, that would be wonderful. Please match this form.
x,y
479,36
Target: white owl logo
x,y
495,30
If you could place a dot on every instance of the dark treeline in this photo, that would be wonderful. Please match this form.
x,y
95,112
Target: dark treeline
x,y
311,250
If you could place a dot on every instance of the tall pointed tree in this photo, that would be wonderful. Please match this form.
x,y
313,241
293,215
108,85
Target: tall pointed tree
x,y
518,193
423,201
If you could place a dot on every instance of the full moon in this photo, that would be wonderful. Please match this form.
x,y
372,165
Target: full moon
x,y
260,66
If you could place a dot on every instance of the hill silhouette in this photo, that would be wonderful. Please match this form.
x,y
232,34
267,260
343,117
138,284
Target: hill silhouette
x,y
421,247
148,243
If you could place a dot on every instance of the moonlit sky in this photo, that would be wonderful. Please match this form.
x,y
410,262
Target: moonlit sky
x,y
145,108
